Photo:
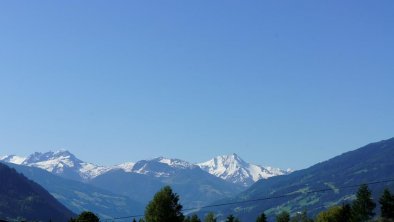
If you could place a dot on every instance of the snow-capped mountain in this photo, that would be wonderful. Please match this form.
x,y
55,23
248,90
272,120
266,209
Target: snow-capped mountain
x,y
62,163
233,169
161,167
65,164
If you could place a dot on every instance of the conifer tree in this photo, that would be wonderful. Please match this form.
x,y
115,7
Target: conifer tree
x,y
164,207
345,213
387,205
261,218
284,216
363,206
87,216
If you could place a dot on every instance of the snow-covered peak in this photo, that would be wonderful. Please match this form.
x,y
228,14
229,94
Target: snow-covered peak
x,y
62,156
234,169
55,162
62,163
175,163
161,166
13,159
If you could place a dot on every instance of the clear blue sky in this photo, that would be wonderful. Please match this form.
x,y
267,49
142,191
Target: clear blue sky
x,y
284,83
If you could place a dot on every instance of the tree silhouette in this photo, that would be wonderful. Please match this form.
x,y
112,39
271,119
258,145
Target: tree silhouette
x,y
363,206
261,218
87,216
387,205
164,207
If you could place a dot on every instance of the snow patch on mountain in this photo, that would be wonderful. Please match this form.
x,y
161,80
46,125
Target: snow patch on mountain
x,y
177,163
90,171
126,167
13,159
161,166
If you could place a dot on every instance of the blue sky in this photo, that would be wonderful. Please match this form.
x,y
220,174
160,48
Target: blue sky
x,y
282,83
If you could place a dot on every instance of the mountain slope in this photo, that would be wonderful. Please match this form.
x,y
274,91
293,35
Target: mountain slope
x,y
22,198
233,169
195,186
373,162
79,196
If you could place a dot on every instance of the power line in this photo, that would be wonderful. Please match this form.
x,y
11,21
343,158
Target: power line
x,y
264,198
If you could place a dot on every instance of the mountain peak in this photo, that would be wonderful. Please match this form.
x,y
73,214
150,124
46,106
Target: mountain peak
x,y
234,169
63,152
175,163
232,156
61,155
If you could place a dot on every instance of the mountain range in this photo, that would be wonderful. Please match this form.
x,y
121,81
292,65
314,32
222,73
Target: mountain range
x,y
125,188
228,167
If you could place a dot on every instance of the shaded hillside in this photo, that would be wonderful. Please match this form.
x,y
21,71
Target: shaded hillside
x,y
136,186
23,198
79,196
373,162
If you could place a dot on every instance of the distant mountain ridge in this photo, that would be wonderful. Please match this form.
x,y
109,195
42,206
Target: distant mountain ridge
x,y
227,167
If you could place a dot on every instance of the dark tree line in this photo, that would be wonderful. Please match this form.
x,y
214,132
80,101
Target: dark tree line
x,y
165,207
